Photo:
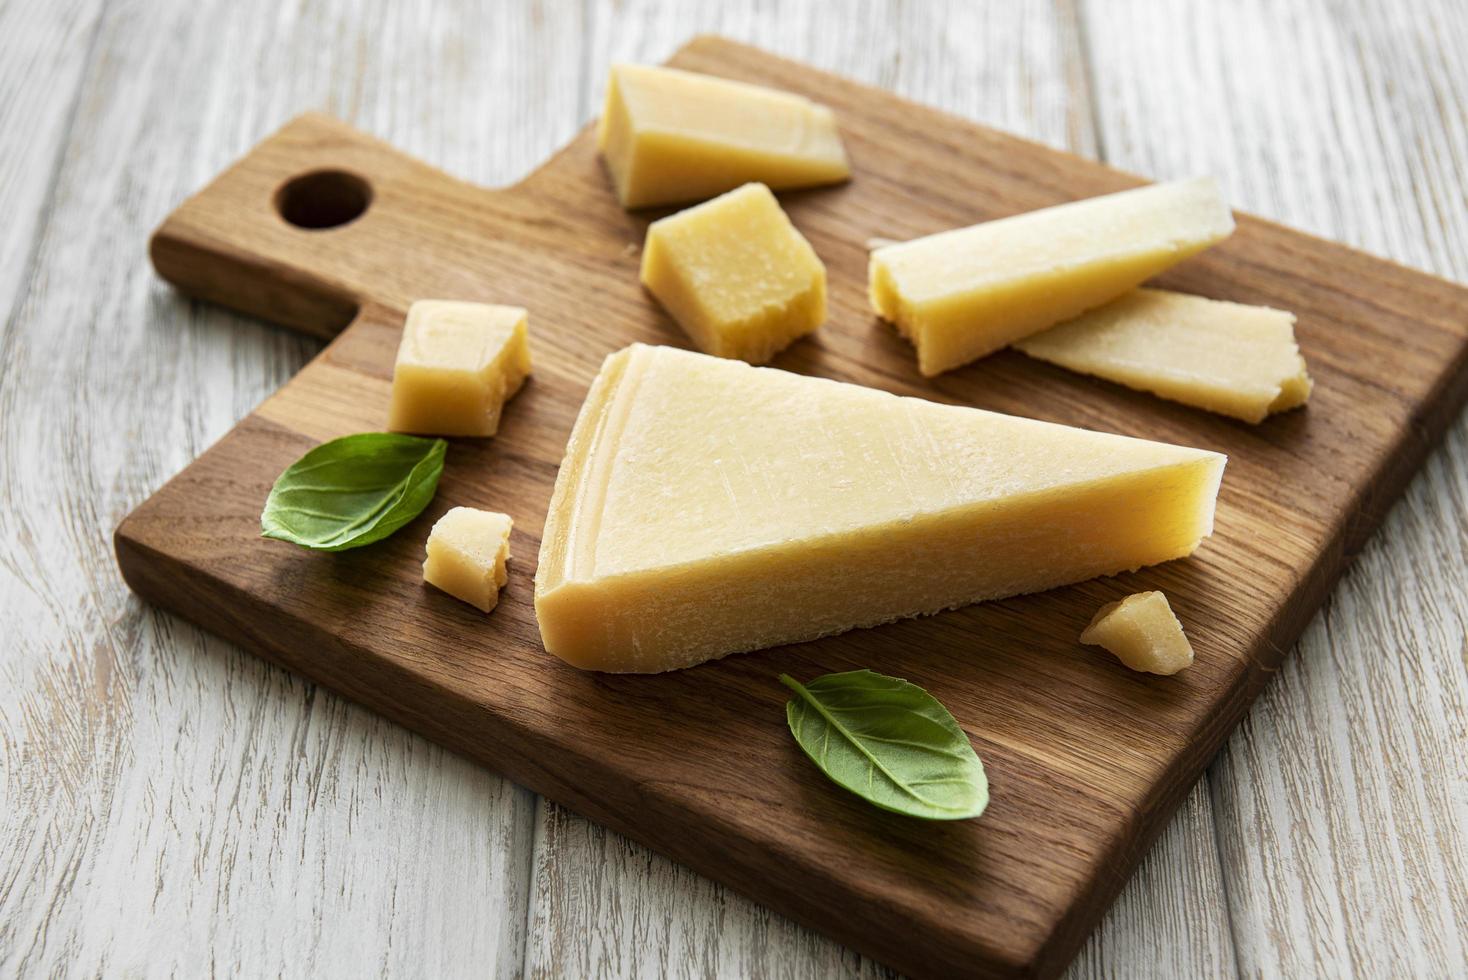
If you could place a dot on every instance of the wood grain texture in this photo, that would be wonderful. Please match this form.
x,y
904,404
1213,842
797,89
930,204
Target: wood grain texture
x,y
172,805
1015,893
189,88
1342,804
49,48
603,906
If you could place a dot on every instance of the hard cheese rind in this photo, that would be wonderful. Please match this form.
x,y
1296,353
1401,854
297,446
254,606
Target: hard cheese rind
x,y
671,136
458,363
959,295
736,275
1224,357
467,553
706,507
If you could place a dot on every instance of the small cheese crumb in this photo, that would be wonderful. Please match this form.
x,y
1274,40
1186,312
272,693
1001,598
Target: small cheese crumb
x,y
1143,633
467,552
457,365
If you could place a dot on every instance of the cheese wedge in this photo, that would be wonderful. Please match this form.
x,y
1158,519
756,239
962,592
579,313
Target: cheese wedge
x,y
1143,633
959,295
467,552
736,275
706,507
1224,357
458,363
672,136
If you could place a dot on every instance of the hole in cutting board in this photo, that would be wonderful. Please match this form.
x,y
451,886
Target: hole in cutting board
x,y
323,199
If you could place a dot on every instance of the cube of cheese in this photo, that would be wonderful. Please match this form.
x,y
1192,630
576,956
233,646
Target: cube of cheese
x,y
736,275
1224,357
1143,633
458,363
959,295
672,136
467,552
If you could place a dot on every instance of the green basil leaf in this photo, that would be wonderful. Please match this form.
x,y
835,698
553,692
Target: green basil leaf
x,y
353,491
889,742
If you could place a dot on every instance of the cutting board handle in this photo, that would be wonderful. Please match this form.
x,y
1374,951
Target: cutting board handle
x,y
311,222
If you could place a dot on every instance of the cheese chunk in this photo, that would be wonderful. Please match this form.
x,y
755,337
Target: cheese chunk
x,y
706,507
467,552
458,363
1143,633
672,136
736,275
959,295
1225,357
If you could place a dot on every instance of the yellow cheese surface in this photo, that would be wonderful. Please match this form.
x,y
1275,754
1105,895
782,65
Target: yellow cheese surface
x,y
706,507
467,552
458,363
959,295
1143,633
1225,357
672,136
736,275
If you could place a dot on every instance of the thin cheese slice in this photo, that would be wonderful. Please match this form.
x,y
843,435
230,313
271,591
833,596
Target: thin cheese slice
x,y
672,136
959,295
1143,632
706,507
1224,357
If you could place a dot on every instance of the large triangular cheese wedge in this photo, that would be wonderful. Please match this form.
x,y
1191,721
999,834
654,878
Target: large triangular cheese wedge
x,y
706,507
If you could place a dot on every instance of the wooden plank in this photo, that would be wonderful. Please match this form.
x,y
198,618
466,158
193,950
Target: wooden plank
x,y
171,805
603,905
1171,919
1015,892
1343,799
47,46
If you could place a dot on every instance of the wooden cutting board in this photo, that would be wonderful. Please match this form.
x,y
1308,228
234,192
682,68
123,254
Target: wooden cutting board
x,y
1087,761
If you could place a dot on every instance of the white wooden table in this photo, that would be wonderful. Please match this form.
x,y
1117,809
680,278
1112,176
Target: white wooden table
x,y
171,805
